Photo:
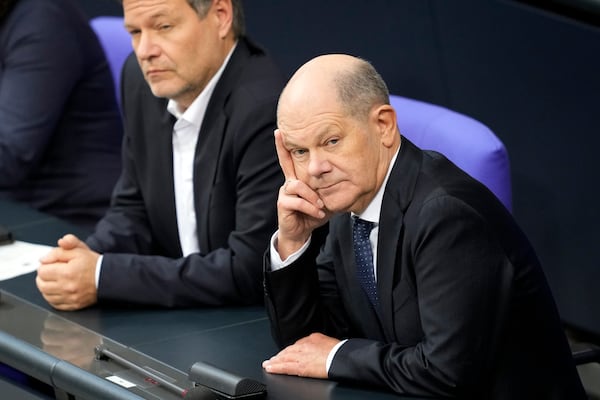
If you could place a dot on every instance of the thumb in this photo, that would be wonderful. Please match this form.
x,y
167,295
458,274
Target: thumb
x,y
69,242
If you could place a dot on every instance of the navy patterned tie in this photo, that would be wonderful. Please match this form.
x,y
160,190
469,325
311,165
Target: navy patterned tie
x,y
365,272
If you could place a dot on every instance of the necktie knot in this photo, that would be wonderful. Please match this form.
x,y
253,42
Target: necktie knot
x,y
362,227
363,253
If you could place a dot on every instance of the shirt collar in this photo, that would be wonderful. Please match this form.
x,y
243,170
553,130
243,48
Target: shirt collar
x,y
373,210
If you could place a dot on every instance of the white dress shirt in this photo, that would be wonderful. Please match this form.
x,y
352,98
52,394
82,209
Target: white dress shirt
x,y
185,136
371,213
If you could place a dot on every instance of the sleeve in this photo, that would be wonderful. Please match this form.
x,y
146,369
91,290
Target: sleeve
x,y
463,281
302,298
41,63
276,261
241,215
125,228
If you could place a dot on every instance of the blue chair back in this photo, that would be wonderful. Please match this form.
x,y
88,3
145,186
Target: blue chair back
x,y
116,42
466,142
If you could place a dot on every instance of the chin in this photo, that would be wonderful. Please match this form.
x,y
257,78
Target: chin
x,y
161,89
341,197
156,91
336,205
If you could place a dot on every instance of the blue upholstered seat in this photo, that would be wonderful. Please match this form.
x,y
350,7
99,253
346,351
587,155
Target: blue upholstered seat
x,y
116,42
466,142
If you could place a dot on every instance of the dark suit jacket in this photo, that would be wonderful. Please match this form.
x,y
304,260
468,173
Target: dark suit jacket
x,y
236,181
60,128
465,308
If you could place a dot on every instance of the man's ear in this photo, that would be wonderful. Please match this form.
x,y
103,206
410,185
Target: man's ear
x,y
223,10
385,118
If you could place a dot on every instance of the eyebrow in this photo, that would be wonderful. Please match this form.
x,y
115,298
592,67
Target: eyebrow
x,y
318,138
153,17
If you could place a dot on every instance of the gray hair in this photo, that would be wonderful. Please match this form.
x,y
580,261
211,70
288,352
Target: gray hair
x,y
238,24
359,88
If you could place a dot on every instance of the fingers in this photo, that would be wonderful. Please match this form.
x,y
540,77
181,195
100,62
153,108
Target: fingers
x,y
285,159
68,285
50,288
57,255
49,272
49,282
307,357
70,241
294,189
292,361
65,297
288,362
63,252
298,196
278,366
51,257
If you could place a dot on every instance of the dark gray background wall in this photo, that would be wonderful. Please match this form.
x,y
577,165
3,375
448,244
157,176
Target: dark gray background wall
x,y
532,76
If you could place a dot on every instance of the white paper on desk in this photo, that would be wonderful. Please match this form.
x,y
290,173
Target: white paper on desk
x,y
20,258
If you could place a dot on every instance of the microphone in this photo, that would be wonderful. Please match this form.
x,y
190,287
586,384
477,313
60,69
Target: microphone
x,y
225,384
200,393
210,383
103,353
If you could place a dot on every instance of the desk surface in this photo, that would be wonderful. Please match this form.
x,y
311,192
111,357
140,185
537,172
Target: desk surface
x,y
11,391
170,341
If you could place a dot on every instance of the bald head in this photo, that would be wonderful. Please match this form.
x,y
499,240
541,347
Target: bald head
x,y
349,82
340,133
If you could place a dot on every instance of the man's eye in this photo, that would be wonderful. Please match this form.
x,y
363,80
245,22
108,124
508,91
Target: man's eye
x,y
298,152
333,141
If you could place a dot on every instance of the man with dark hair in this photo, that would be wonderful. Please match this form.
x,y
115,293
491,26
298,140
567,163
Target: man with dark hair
x,y
195,203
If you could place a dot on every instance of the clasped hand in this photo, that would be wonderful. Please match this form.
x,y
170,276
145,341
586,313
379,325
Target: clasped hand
x,y
67,275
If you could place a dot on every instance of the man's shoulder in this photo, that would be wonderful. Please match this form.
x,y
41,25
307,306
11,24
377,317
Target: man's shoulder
x,y
252,72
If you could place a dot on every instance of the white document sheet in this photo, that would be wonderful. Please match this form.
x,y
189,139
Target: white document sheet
x,y
20,258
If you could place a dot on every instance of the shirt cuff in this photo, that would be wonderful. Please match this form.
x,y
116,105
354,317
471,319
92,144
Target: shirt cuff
x,y
276,261
332,354
98,267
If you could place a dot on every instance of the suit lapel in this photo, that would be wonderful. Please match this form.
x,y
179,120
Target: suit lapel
x,y
396,198
210,140
391,221
162,167
363,313
207,155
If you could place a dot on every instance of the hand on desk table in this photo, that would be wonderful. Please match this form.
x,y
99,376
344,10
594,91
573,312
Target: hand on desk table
x,y
307,357
67,275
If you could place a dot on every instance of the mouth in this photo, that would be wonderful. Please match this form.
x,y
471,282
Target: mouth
x,y
151,73
325,189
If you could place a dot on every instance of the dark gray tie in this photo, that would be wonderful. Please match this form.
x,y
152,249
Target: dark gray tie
x,y
363,253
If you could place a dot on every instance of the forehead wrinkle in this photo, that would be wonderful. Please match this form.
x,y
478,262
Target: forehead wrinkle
x,y
314,136
291,119
135,4
161,9
153,17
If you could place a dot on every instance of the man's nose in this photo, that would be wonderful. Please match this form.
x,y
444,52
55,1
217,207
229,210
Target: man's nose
x,y
318,164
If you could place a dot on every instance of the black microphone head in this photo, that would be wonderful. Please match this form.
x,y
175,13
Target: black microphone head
x,y
225,383
200,393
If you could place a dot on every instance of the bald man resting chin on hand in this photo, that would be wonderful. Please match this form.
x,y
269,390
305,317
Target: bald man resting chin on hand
x,y
423,284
